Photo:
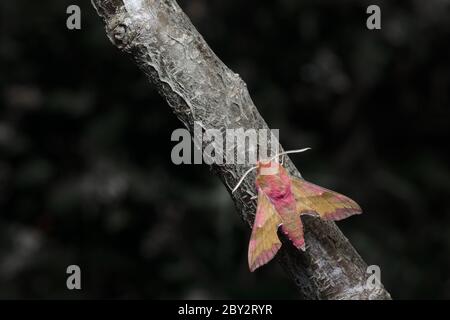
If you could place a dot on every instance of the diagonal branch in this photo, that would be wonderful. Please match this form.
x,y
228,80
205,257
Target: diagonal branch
x,y
200,88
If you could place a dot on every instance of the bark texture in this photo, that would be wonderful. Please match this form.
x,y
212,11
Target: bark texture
x,y
200,88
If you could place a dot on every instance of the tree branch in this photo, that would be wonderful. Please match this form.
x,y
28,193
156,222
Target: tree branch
x,y
200,88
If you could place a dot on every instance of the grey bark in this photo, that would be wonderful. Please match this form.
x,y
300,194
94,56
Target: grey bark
x,y
200,88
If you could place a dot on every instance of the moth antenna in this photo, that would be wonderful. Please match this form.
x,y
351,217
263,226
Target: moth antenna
x,y
243,177
290,151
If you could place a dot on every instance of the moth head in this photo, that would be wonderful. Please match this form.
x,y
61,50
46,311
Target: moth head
x,y
267,167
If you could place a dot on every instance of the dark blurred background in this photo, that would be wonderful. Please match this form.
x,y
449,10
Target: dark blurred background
x,y
86,176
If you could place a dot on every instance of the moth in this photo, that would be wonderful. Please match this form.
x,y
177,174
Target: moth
x,y
282,199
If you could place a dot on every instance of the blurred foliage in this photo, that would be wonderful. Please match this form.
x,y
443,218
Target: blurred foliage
x,y
85,170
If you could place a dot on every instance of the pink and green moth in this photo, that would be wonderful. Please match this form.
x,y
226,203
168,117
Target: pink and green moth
x,y
282,199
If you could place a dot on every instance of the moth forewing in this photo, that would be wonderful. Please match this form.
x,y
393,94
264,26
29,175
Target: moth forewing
x,y
264,242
